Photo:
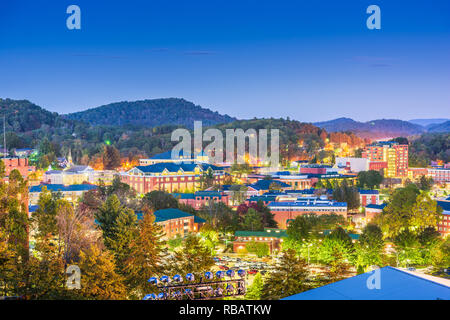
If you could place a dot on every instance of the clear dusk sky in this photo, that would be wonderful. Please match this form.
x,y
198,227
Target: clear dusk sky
x,y
309,60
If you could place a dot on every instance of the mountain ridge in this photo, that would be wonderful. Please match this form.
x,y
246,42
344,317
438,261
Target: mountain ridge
x,y
374,129
150,112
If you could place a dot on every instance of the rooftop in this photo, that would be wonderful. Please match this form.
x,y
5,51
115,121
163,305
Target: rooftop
x,y
276,233
395,284
265,184
63,188
318,203
445,205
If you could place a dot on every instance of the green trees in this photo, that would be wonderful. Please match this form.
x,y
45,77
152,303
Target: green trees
x,y
336,245
107,216
99,279
300,229
369,250
429,146
252,221
255,291
220,217
193,256
289,277
144,258
158,200
408,209
346,193
111,158
425,213
207,179
369,179
261,249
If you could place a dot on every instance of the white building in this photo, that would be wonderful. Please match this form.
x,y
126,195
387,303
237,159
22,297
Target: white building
x,y
353,164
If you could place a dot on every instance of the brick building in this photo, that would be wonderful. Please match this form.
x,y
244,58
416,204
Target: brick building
x,y
393,154
201,198
20,164
272,237
170,177
284,212
176,222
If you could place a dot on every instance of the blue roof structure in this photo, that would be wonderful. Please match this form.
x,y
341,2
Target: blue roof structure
x,y
63,188
376,206
445,205
354,236
32,209
264,198
364,191
168,155
307,204
175,167
199,220
395,284
171,213
168,214
183,195
264,184
203,194
181,155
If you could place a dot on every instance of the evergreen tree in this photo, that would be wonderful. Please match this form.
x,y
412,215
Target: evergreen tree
x,y
145,255
111,158
193,256
255,291
289,277
99,279
252,220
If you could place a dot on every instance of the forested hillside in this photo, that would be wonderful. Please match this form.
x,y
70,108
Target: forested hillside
x,y
151,113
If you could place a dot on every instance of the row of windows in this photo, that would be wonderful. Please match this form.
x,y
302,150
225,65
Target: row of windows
x,y
309,210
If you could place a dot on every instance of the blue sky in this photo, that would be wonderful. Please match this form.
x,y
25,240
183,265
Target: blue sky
x,y
307,60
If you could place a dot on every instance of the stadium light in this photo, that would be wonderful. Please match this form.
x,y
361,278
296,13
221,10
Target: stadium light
x,y
153,280
177,278
230,273
190,277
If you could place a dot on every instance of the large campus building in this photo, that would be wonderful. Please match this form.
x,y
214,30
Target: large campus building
x,y
389,156
284,212
175,222
170,177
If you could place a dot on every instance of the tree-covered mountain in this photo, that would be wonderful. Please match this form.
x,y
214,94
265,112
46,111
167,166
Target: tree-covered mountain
x,y
428,122
24,116
428,147
441,127
150,113
375,129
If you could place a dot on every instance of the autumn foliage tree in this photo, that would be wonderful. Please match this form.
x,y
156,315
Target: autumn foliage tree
x,y
145,255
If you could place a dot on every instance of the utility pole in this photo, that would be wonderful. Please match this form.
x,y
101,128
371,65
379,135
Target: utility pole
x,y
4,136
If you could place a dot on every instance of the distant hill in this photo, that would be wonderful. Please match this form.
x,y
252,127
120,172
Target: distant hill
x,y
24,116
375,129
151,113
428,122
441,127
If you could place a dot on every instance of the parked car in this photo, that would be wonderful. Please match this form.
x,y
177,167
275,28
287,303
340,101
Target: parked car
x,y
252,271
223,267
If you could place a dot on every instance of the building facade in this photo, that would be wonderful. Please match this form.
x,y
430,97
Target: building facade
x,y
272,237
284,212
170,177
393,154
71,193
